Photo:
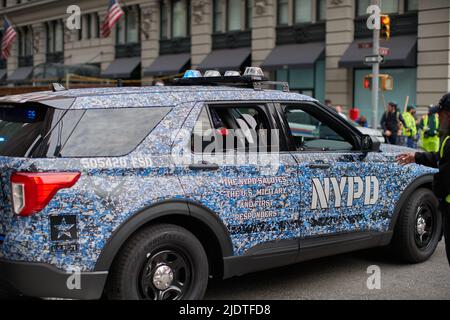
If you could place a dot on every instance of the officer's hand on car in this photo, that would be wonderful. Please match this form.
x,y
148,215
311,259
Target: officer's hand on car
x,y
406,158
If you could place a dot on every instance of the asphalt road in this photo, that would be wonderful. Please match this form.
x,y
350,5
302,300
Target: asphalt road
x,y
339,277
342,277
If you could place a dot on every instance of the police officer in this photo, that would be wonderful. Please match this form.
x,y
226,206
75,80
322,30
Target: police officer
x,y
429,128
410,129
441,160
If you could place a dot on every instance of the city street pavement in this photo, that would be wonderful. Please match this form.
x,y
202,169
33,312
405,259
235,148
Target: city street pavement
x,y
340,277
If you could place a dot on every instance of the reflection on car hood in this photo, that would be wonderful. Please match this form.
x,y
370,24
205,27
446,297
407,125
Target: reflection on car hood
x,y
389,148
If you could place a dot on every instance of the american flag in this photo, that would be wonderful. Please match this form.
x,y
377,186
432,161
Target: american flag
x,y
115,12
9,34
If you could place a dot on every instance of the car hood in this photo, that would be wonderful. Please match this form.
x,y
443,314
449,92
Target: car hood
x,y
393,149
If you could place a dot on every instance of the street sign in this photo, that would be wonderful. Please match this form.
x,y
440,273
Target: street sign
x,y
373,59
384,51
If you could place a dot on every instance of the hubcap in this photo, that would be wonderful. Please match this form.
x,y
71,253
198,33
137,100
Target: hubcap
x,y
166,274
163,277
425,225
421,225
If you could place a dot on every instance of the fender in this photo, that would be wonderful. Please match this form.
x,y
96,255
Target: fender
x,y
158,210
419,182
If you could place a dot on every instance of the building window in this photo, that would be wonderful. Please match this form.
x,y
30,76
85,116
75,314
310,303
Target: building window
x,y
387,6
25,39
127,31
164,20
175,19
237,15
412,5
90,26
218,7
180,14
302,11
249,14
321,10
283,12
234,19
55,36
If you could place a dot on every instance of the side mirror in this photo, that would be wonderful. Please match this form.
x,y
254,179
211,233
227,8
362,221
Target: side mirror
x,y
370,144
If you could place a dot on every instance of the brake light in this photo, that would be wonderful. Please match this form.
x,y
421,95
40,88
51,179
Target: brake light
x,y
31,192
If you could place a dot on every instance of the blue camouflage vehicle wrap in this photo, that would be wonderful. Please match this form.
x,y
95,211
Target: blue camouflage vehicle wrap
x,y
358,193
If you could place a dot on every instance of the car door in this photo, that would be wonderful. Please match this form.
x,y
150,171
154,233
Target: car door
x,y
339,188
249,185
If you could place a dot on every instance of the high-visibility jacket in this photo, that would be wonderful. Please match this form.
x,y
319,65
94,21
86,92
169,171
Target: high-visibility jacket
x,y
430,142
410,129
441,155
441,161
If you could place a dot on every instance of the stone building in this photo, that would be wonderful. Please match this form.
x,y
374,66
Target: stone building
x,y
313,44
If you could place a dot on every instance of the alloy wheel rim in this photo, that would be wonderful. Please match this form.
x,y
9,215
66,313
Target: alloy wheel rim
x,y
166,275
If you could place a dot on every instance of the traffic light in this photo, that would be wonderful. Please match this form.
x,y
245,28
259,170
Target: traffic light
x,y
385,32
386,82
367,82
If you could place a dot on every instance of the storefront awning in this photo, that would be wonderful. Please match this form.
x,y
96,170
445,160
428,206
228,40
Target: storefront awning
x,y
225,59
302,55
168,64
121,68
402,53
21,74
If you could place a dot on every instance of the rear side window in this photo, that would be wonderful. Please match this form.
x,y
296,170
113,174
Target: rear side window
x,y
22,127
101,132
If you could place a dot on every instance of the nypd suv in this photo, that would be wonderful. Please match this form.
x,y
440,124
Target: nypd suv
x,y
146,193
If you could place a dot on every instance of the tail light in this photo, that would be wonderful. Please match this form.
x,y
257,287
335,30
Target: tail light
x,y
31,192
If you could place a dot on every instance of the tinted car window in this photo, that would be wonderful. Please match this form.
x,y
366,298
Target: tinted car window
x,y
22,127
111,132
309,133
232,128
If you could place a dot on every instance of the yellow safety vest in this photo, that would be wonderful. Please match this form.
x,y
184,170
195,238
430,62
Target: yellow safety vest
x,y
410,130
442,155
430,144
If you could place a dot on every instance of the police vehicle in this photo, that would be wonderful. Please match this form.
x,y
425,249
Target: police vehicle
x,y
146,193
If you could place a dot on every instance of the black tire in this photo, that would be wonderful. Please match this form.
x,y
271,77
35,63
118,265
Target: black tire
x,y
408,244
152,250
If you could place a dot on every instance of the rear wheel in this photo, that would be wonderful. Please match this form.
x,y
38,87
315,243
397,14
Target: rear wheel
x,y
161,262
418,228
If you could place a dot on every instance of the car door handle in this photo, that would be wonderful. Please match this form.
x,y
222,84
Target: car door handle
x,y
322,166
204,165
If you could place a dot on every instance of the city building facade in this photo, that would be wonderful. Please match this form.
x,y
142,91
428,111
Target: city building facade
x,y
318,46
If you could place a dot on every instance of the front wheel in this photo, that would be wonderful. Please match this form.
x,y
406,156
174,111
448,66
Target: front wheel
x,y
160,262
418,228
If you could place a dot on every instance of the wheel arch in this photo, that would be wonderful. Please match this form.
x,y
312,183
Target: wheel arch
x,y
197,219
424,181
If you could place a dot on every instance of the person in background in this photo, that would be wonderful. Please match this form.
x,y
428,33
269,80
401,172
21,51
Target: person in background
x,y
328,103
391,122
353,114
441,161
339,109
429,131
363,122
409,127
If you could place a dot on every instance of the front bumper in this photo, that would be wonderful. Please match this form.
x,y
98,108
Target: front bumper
x,y
46,281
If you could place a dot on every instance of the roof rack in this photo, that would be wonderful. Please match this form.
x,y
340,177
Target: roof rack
x,y
255,82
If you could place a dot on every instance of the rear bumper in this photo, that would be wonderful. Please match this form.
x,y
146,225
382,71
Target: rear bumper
x,y
46,281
